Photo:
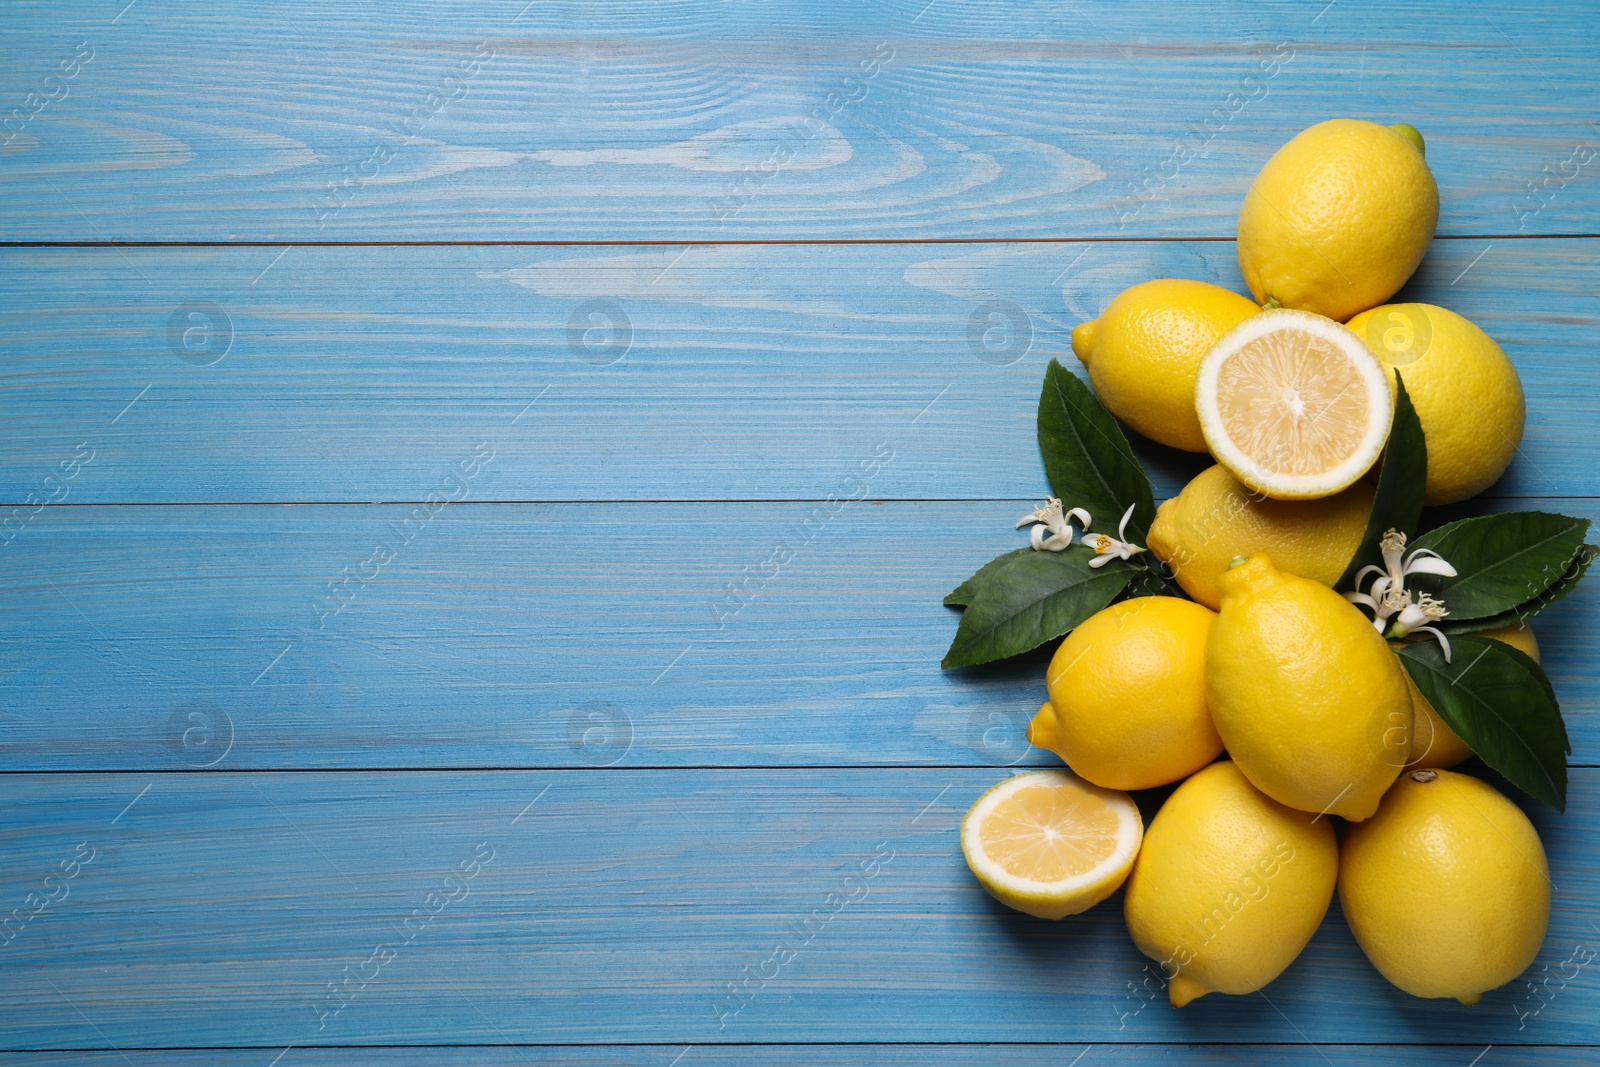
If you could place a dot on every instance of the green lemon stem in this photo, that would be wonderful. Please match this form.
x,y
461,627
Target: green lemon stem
x,y
1272,304
1411,134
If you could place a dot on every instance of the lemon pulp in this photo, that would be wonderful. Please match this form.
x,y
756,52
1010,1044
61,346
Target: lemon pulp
x,y
1050,844
1294,405
1046,834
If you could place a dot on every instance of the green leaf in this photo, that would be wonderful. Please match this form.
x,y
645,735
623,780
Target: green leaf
x,y
1397,504
1030,599
1497,700
1087,457
962,595
1501,560
1522,612
1148,581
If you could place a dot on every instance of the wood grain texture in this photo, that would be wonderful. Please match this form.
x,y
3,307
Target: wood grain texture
x,y
618,906
535,635
362,374
630,704
685,121
823,1055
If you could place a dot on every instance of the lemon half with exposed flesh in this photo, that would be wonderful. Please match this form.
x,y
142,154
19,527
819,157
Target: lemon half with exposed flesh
x,y
1050,844
1294,405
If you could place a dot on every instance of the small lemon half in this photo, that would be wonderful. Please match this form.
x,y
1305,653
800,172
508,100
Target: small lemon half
x,y
1050,844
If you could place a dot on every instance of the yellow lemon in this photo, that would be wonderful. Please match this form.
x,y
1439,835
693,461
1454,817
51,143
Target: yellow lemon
x,y
1293,404
1310,701
1338,218
1050,844
1127,705
1216,518
1144,349
1446,888
1466,391
1229,887
1433,744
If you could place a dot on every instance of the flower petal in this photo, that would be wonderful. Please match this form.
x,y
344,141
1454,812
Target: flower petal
x,y
1122,527
1443,640
1362,600
1430,565
1361,575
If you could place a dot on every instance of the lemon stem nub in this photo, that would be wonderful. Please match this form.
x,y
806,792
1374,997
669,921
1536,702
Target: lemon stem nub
x,y
1237,561
1413,137
1183,989
1271,304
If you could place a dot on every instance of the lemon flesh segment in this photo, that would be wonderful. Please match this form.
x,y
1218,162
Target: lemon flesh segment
x,y
1050,844
1293,405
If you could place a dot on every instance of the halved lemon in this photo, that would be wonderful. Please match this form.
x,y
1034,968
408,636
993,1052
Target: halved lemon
x,y
1293,404
1050,844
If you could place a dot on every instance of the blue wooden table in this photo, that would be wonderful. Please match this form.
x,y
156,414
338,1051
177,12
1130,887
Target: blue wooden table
x,y
481,481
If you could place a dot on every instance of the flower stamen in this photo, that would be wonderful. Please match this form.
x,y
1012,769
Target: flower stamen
x,y
1396,612
1108,548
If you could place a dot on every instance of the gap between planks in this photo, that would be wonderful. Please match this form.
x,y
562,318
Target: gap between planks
x,y
676,242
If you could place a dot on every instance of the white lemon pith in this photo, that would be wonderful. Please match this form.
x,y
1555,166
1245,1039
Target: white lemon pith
x,y
1294,405
1050,844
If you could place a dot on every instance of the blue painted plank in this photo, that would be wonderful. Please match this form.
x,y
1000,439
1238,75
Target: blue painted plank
x,y
698,120
820,1055
553,635
621,906
753,372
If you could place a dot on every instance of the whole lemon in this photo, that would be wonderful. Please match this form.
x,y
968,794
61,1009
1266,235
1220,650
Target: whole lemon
x,y
1339,218
1446,888
1127,705
1217,517
1144,349
1433,744
1229,886
1310,701
1466,391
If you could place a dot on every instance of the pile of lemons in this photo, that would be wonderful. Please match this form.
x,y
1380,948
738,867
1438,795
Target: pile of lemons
x,y
1442,879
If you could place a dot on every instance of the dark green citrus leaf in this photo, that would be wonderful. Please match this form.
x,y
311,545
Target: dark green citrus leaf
x,y
1397,504
1087,457
1501,561
1032,598
962,595
1497,700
